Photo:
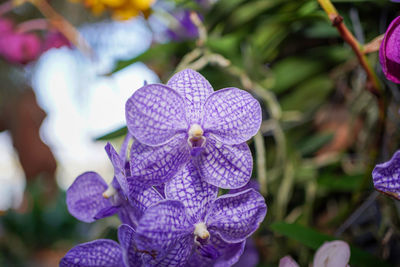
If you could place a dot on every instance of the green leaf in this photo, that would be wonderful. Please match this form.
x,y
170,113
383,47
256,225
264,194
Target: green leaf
x,y
347,183
114,134
315,142
291,71
154,52
309,95
314,240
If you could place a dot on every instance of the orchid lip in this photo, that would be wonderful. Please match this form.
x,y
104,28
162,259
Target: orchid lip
x,y
196,139
109,192
200,230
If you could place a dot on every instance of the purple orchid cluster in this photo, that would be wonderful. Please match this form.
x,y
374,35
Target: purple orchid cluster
x,y
188,141
389,53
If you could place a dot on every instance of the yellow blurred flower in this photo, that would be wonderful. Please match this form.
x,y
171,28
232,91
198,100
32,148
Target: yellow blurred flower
x,y
120,9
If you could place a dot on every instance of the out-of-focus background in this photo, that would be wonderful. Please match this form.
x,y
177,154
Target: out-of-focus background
x,y
64,86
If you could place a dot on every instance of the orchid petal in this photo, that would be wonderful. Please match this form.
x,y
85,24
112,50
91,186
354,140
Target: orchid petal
x,y
188,187
155,113
194,89
156,165
131,256
140,197
232,115
119,167
161,226
225,166
98,253
85,197
236,216
386,176
177,255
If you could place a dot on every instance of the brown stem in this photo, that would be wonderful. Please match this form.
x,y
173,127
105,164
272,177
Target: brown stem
x,y
63,26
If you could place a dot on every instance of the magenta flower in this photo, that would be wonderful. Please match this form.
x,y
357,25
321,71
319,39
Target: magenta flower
x,y
106,253
194,221
20,48
186,120
386,176
55,39
389,52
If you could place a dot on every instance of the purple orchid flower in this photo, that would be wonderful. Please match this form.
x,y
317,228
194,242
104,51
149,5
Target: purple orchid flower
x,y
386,176
89,198
183,28
186,120
192,220
389,54
105,252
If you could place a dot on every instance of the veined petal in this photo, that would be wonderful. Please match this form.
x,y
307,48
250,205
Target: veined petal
x,y
131,256
85,197
141,197
177,255
386,176
229,253
162,226
249,257
119,167
188,187
233,115
98,253
156,165
236,216
194,89
251,184
155,113
225,166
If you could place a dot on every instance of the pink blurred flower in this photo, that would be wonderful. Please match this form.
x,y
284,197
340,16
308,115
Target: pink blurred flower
x,y
6,26
20,48
55,39
288,261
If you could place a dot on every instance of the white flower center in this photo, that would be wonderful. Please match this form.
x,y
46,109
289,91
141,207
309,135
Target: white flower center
x,y
200,230
195,131
109,192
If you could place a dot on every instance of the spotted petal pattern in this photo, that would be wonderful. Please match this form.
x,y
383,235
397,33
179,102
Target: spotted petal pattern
x,y
126,238
233,115
85,197
236,216
155,113
194,89
98,253
156,165
386,176
188,187
224,166
162,225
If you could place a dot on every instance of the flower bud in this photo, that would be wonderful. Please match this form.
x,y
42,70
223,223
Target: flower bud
x,y
332,254
389,52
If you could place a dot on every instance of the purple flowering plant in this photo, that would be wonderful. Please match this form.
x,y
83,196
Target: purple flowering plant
x,y
188,141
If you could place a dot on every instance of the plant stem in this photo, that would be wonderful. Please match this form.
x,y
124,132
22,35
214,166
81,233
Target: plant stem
x,y
6,7
32,25
337,21
63,26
